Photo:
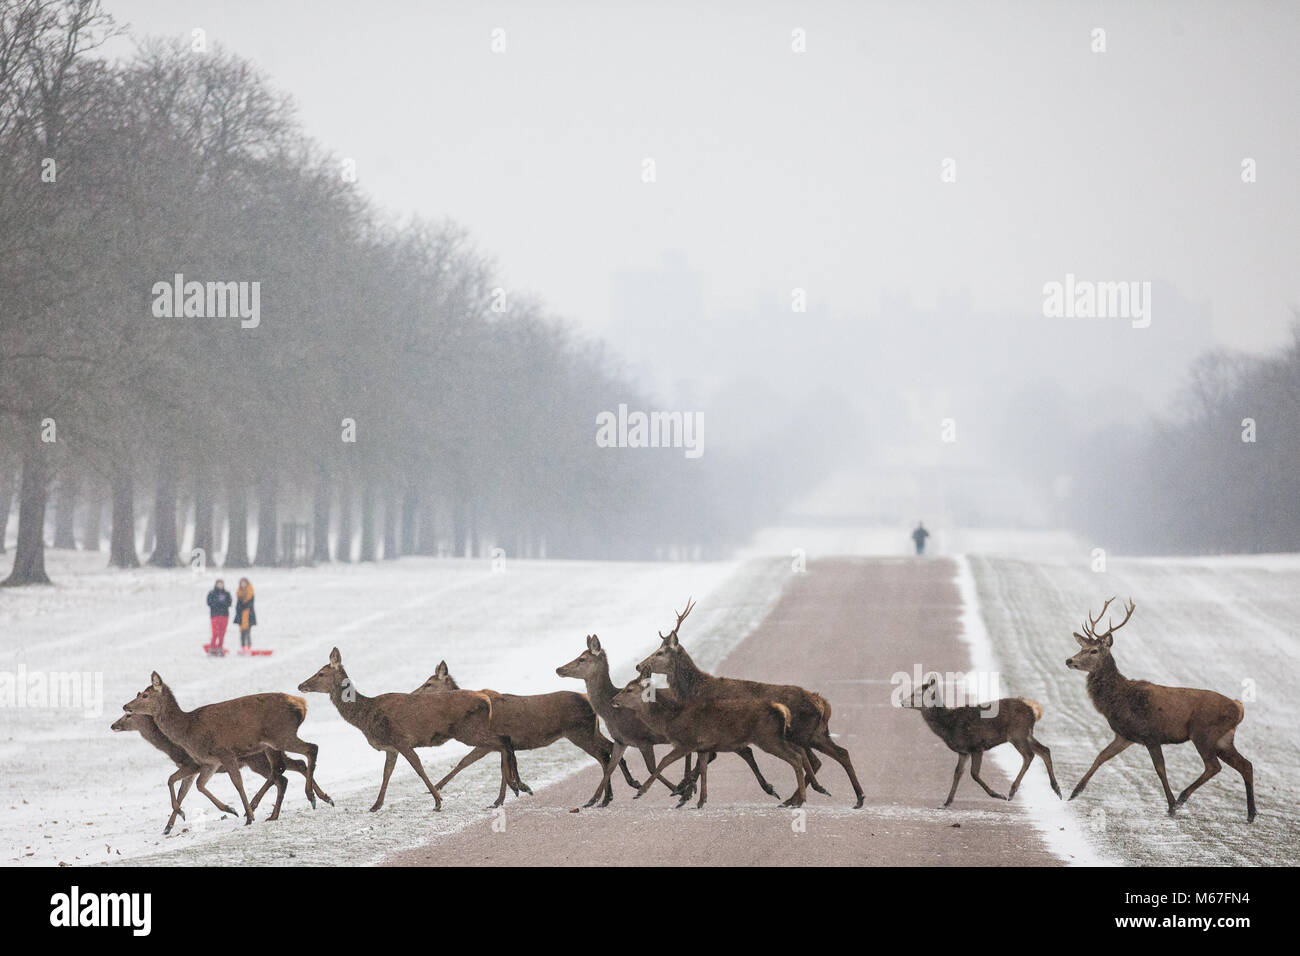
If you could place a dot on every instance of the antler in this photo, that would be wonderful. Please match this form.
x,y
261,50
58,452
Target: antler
x,y
680,617
1090,629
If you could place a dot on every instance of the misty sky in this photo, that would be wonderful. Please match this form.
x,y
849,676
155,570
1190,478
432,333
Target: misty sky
x,y
819,169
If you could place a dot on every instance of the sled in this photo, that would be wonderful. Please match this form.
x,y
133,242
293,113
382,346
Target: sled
x,y
258,652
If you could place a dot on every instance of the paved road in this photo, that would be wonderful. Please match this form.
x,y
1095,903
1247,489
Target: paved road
x,y
842,629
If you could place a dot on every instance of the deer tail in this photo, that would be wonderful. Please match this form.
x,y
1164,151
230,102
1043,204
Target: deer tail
x,y
1035,706
823,707
487,700
298,706
1241,711
783,712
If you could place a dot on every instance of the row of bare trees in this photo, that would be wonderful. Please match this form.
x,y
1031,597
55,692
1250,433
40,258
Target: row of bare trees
x,y
391,393
1216,475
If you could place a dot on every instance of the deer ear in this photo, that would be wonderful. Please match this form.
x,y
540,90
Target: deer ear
x,y
335,657
442,669
1083,641
1106,641
672,640
593,643
155,679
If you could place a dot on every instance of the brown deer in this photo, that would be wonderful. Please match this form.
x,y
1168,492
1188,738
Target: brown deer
x,y
187,769
810,713
1152,714
627,729
399,723
969,731
534,721
218,736
703,726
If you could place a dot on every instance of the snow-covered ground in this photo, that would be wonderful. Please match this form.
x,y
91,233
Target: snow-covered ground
x,y
73,791
1227,624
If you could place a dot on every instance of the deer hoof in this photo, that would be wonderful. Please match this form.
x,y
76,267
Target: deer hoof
x,y
248,820
861,801
375,807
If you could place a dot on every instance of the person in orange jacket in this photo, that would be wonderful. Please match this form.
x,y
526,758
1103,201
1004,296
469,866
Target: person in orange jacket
x,y
245,617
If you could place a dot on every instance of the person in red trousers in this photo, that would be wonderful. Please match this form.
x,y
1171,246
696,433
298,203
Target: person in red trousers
x,y
218,610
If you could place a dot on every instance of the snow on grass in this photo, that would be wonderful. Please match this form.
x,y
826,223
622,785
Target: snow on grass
x,y
1226,624
72,790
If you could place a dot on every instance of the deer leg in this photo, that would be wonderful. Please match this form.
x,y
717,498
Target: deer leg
x,y
1158,759
177,800
474,756
616,756
704,783
230,763
390,761
648,755
275,764
1116,746
956,777
747,755
1237,762
627,774
1042,751
414,760
258,764
309,750
1028,754
822,741
1212,767
298,766
677,753
797,758
811,766
201,785
975,760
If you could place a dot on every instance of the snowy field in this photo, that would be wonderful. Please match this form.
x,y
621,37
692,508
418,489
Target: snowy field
x,y
73,791
1227,624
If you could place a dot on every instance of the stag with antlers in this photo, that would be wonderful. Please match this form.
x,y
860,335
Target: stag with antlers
x,y
1152,715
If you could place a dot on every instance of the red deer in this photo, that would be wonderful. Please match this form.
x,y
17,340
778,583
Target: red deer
x,y
704,726
218,736
1151,714
969,731
399,723
187,770
810,713
627,729
534,721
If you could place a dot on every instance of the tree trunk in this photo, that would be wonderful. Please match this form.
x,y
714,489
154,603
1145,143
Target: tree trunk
x,y
321,519
390,527
266,529
459,527
410,511
94,516
65,511
166,550
367,523
203,506
343,547
29,554
237,545
427,540
121,545
6,499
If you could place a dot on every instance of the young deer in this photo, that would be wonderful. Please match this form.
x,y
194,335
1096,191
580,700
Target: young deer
x,y
627,729
535,721
218,736
969,731
704,726
186,766
399,723
1151,714
810,713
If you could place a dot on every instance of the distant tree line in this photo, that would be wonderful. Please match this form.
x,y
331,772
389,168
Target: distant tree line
x,y
391,394
1219,474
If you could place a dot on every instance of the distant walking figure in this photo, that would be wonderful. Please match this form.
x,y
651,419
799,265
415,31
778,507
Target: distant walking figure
x,y
245,616
919,536
218,609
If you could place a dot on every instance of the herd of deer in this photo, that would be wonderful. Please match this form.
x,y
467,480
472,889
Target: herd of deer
x,y
698,715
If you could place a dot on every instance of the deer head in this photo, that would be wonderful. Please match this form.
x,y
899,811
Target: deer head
x,y
329,678
128,722
1094,648
926,695
669,649
440,681
587,664
149,701
636,696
